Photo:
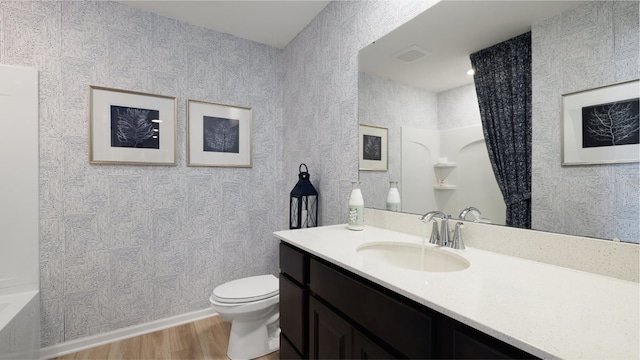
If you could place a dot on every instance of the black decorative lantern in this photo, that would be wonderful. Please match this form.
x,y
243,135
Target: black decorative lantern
x,y
303,207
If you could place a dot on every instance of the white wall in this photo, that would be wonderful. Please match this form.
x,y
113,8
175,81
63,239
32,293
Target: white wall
x,y
591,46
19,180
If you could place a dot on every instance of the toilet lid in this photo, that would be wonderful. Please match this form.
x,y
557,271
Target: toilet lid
x,y
247,289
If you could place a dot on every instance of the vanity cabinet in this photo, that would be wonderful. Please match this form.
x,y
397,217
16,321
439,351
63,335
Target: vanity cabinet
x,y
329,312
294,303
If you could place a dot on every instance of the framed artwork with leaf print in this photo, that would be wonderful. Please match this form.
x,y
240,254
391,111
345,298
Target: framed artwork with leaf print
x,y
372,148
602,125
131,128
218,134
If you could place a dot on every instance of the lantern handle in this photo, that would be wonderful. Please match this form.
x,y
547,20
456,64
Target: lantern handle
x,y
300,168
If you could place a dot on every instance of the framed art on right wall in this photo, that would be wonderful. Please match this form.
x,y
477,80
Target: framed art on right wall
x,y
602,125
218,134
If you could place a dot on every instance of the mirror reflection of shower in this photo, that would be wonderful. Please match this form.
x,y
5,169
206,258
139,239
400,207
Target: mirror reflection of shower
x,y
449,170
445,164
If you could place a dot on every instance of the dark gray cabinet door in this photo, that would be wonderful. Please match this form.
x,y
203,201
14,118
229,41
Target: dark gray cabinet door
x,y
331,337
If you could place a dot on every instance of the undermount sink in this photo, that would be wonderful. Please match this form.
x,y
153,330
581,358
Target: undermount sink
x,y
410,256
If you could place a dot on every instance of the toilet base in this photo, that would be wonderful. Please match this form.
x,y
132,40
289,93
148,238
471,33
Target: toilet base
x,y
248,341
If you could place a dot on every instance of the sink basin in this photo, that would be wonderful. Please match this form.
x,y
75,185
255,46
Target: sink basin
x,y
410,256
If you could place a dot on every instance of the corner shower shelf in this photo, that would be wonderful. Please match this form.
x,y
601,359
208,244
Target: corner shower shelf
x,y
444,165
442,171
445,187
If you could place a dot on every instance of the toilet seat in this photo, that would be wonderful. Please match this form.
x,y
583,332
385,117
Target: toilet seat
x,y
246,290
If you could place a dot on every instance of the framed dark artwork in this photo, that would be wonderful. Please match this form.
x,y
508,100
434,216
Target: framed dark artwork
x,y
128,127
602,125
372,148
218,134
134,127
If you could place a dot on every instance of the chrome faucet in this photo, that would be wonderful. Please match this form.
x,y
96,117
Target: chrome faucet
x,y
464,212
442,238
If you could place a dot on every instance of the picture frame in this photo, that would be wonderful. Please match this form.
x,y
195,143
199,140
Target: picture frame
x,y
372,148
601,125
131,128
218,134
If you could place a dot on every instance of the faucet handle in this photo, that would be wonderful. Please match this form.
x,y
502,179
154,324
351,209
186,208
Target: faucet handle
x,y
470,209
435,237
457,242
444,230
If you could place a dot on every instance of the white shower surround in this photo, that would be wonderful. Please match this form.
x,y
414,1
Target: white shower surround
x,y
19,300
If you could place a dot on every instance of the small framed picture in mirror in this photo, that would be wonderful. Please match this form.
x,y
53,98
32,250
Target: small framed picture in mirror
x,y
372,148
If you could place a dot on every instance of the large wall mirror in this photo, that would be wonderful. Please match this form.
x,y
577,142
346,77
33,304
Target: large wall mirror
x,y
414,82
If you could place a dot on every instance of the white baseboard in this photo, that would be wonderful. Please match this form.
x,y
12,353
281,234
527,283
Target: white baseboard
x,y
121,334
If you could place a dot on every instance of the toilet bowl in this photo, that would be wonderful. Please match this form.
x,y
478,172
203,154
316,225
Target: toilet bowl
x,y
251,305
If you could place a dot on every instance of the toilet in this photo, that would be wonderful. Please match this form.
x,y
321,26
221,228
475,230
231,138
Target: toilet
x,y
251,305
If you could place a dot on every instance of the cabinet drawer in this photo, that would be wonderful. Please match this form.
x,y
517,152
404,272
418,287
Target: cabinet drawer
x,y
293,313
394,322
292,262
459,341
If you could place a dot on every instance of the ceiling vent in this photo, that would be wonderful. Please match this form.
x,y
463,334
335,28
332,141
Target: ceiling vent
x,y
411,54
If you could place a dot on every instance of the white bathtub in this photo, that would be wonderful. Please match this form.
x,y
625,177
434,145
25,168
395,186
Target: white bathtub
x,y
12,304
19,324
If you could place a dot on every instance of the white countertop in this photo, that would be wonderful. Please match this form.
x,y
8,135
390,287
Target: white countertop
x,y
546,310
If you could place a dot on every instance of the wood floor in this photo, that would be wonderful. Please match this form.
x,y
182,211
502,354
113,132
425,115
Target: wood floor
x,y
203,339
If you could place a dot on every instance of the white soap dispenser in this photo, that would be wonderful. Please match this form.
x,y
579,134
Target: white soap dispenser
x,y
356,208
393,198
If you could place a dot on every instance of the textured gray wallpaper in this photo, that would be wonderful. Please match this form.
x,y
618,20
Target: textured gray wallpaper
x,y
321,95
458,107
123,245
592,46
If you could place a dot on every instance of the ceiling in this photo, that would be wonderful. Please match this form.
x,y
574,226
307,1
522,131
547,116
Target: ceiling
x,y
274,23
449,32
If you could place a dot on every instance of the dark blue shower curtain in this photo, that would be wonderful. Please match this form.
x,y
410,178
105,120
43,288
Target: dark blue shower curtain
x,y
503,86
